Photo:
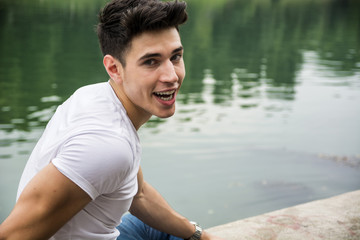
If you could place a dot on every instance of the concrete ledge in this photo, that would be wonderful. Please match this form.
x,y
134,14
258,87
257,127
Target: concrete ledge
x,y
336,218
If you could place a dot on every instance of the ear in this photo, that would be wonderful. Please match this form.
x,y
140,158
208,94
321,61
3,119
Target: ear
x,y
113,67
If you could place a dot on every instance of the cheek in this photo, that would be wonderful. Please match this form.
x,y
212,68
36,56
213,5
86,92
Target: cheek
x,y
181,72
184,73
137,83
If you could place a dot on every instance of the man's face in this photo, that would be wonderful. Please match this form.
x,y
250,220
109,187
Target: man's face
x,y
153,73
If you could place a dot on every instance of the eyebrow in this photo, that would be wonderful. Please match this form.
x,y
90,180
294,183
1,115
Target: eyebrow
x,y
152,55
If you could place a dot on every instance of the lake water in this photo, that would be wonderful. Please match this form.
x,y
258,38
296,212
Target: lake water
x,y
268,115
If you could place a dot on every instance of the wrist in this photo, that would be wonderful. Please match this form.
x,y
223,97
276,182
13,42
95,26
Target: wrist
x,y
197,234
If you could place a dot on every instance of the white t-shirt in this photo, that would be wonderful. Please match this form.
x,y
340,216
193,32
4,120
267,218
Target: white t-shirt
x,y
91,140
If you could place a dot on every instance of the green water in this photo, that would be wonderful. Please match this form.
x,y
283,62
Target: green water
x,y
268,115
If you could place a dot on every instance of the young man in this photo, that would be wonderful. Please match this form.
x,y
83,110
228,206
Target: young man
x,y
85,173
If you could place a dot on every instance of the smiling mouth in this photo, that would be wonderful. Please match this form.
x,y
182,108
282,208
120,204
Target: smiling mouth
x,y
166,95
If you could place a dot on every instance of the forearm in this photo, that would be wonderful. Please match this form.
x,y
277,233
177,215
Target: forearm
x,y
150,207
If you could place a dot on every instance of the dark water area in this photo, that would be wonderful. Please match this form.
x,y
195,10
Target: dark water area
x,y
268,115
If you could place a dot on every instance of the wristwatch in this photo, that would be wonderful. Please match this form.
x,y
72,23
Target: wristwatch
x,y
197,234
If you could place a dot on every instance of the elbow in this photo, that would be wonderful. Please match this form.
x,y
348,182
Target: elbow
x,y
138,205
7,231
134,207
139,200
2,234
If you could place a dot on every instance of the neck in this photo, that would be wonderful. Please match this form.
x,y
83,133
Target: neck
x,y
137,116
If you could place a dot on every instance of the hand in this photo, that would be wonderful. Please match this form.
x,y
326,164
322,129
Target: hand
x,y
208,236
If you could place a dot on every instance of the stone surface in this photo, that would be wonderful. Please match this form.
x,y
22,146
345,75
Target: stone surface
x,y
336,218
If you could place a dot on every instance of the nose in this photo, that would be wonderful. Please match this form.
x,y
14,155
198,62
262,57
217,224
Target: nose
x,y
168,73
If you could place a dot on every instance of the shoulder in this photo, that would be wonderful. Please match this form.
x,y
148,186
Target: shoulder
x,y
98,162
90,106
91,96
97,147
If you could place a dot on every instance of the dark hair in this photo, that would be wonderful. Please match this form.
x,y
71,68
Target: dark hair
x,y
121,20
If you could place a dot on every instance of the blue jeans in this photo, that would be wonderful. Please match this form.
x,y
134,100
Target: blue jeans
x,y
131,228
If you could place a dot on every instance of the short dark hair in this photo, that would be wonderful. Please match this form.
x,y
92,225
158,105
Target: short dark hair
x,y
121,20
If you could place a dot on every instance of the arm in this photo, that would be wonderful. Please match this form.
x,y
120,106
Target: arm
x,y
46,204
150,207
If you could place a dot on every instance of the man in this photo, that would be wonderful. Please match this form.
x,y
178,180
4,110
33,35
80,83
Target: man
x,y
84,172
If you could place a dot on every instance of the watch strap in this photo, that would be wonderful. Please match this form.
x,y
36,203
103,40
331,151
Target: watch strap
x,y
197,233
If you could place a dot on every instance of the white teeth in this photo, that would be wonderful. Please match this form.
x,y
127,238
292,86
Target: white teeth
x,y
165,96
165,93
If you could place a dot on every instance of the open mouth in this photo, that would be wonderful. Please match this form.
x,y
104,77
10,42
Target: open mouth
x,y
166,95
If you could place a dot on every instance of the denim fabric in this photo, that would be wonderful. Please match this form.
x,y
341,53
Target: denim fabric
x,y
132,228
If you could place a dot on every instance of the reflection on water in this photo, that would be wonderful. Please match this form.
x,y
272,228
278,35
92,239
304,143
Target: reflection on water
x,y
267,117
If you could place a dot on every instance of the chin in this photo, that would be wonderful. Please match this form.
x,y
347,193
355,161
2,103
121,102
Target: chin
x,y
166,114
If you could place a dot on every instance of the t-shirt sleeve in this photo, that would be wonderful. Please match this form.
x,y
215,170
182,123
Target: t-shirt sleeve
x,y
96,163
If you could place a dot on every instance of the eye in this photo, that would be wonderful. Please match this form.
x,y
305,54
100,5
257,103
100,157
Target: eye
x,y
150,62
176,57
